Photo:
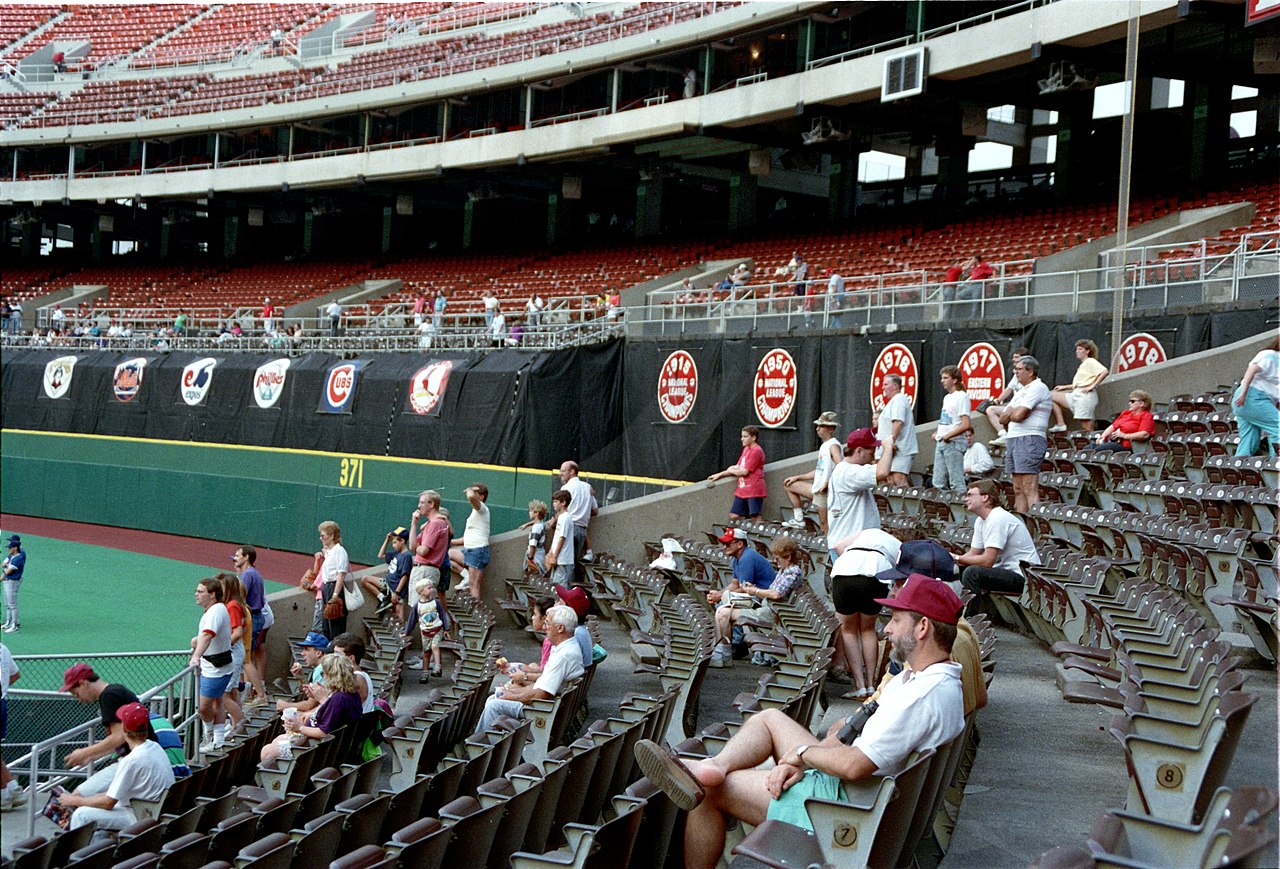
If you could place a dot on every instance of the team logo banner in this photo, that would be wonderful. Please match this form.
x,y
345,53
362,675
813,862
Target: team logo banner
x,y
128,379
677,387
268,382
195,381
57,376
775,388
894,359
340,387
983,372
1139,351
427,387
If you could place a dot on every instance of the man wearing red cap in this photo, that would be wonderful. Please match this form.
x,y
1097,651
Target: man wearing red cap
x,y
850,507
146,773
920,708
82,683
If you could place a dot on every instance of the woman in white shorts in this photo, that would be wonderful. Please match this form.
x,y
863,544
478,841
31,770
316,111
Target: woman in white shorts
x,y
1080,396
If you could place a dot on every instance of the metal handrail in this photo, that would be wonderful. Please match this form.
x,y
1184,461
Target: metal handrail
x,y
181,708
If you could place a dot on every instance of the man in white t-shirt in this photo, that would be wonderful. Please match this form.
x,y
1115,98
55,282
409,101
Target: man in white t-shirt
x,y
145,773
897,423
996,406
922,707
953,424
1001,543
813,485
559,559
850,507
581,508
1025,420
335,317
564,664
211,652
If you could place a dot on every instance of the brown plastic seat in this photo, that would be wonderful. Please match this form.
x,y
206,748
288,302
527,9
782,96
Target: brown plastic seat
x,y
364,857
272,851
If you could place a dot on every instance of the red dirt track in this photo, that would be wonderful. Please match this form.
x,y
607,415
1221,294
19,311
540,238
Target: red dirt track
x,y
274,564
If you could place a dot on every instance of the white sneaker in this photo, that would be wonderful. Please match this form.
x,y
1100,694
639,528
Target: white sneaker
x,y
1057,428
793,523
997,441
588,556
11,629
414,663
721,656
207,746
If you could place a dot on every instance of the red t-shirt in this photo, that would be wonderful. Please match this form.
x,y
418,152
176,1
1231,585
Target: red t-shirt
x,y
435,536
1131,422
752,485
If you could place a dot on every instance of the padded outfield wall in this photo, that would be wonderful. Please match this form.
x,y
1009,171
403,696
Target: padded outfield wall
x,y
229,469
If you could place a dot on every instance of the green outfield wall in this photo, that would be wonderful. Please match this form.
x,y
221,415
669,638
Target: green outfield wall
x,y
266,496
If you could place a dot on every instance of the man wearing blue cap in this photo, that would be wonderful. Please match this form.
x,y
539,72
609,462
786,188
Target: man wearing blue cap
x,y
14,563
312,647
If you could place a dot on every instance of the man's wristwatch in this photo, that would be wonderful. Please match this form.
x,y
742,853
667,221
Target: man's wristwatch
x,y
800,752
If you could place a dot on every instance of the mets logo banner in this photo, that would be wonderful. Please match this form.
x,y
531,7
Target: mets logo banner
x,y
57,376
340,387
268,382
427,387
127,382
196,380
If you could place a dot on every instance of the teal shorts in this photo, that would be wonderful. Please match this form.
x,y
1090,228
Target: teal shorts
x,y
790,806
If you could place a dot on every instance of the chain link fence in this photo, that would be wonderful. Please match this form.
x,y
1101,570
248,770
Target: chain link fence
x,y
37,710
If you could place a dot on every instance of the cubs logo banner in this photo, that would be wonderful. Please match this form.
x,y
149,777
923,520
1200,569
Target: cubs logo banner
x,y
196,378
128,379
894,359
982,370
340,387
268,382
677,387
57,376
775,388
427,388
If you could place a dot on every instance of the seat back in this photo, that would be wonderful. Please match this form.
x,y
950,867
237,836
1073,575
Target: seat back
x,y
319,840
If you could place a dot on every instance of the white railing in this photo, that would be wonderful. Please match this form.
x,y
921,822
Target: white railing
x,y
176,698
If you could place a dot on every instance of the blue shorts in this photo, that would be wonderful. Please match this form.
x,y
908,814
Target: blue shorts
x,y
214,687
4,718
747,506
477,559
790,806
257,631
1022,455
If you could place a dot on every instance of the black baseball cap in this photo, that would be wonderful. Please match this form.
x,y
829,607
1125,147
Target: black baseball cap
x,y
926,557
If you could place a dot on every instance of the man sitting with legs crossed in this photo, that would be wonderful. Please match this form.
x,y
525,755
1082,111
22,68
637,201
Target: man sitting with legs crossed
x,y
922,707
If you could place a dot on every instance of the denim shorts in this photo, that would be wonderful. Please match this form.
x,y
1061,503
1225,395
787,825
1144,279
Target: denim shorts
x,y
746,506
477,559
214,686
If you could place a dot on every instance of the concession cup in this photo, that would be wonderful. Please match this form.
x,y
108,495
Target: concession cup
x,y
289,715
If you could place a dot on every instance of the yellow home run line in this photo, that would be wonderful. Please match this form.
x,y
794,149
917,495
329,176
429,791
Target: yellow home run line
x,y
652,481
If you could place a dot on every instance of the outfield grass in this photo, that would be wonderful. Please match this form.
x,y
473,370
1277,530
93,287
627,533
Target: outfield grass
x,y
79,598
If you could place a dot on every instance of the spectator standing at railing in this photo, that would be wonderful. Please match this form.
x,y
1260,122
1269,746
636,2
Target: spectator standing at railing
x,y
995,407
1026,417
335,317
533,310
82,683
1256,402
749,495
211,652
180,324
441,302
690,83
58,319
15,318
1080,396
799,276
426,334
490,302
498,328
420,309
268,316
813,485
975,286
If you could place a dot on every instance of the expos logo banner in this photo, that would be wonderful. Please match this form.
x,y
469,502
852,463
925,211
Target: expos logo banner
x,y
57,376
340,387
983,372
894,359
196,379
128,379
427,386
1139,351
677,387
268,382
775,388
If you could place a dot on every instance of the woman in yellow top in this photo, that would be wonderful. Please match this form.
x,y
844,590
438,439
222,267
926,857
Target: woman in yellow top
x,y
1080,396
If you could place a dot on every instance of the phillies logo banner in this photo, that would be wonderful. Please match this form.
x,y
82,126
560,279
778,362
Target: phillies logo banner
x,y
268,382
57,376
894,359
340,387
775,388
982,370
427,388
196,380
128,379
677,387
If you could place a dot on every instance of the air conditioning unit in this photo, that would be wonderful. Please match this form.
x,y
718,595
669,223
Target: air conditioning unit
x,y
904,74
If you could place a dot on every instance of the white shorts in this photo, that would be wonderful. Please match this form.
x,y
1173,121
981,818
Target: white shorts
x,y
901,463
1083,404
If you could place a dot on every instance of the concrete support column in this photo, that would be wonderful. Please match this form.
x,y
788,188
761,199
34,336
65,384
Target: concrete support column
x,y
742,200
1071,163
953,170
553,218
468,224
649,208
1209,104
231,235
842,194
387,221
